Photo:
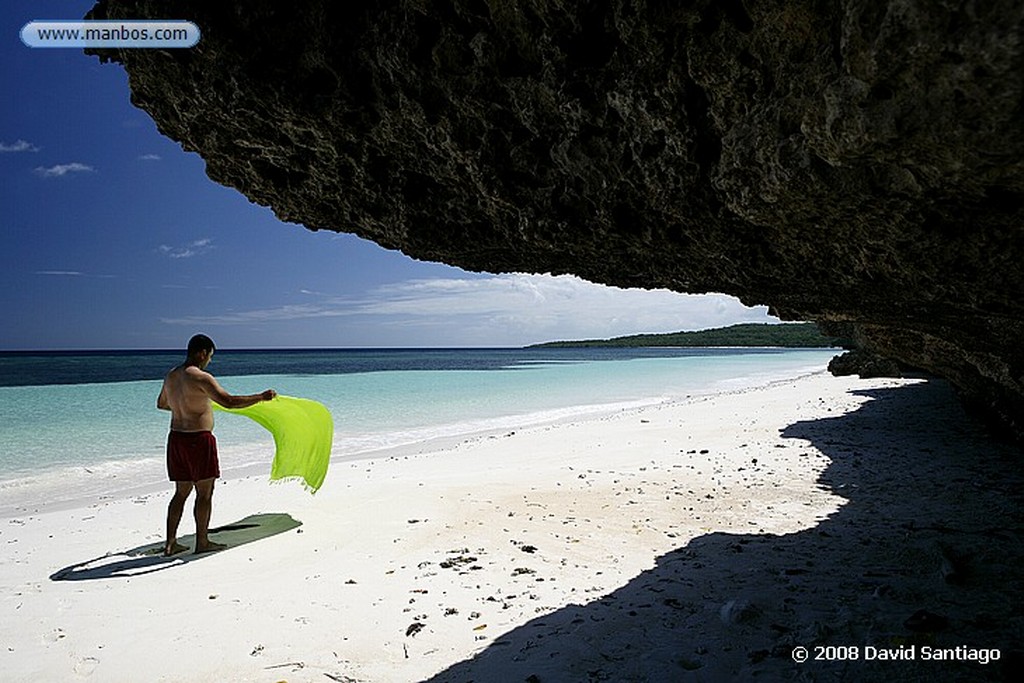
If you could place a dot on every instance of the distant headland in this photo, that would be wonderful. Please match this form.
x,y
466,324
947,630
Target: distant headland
x,y
788,335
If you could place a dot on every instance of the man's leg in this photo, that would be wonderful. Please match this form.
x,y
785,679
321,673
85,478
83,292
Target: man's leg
x,y
204,507
182,489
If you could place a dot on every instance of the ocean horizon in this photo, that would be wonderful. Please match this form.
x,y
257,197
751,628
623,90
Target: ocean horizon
x,y
86,421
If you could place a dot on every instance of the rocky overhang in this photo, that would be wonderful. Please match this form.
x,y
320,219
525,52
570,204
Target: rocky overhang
x,y
856,163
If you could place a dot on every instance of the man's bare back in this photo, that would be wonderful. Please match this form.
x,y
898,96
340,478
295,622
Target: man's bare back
x,y
187,392
185,395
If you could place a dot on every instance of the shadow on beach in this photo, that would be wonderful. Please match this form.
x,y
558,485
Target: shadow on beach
x,y
149,558
926,553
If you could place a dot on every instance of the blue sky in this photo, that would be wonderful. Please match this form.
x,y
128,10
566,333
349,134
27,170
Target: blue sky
x,y
111,236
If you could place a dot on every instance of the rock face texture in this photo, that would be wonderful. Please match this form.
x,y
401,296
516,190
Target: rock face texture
x,y
858,163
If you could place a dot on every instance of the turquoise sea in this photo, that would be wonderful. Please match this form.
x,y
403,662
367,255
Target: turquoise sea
x,y
86,422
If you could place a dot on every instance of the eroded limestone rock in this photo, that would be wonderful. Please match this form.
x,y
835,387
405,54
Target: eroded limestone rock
x,y
858,162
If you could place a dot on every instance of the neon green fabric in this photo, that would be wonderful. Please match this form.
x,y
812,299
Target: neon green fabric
x,y
303,434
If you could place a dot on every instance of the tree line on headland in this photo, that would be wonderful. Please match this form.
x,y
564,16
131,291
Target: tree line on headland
x,y
788,335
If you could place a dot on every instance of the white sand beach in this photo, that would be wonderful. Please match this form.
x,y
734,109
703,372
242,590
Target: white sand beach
x,y
696,541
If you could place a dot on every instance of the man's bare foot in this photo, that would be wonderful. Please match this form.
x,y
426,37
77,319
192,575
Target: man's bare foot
x,y
174,548
210,547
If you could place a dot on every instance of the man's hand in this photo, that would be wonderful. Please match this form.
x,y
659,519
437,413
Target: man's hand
x,y
268,395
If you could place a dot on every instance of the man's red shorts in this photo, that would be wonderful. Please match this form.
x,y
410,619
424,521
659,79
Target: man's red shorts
x,y
192,456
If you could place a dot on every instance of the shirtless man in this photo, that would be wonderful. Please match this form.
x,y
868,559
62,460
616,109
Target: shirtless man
x,y
191,447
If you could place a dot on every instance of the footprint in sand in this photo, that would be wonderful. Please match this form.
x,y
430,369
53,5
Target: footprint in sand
x,y
86,665
54,635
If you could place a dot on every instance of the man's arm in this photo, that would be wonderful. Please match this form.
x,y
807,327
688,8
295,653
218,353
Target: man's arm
x,y
161,400
219,396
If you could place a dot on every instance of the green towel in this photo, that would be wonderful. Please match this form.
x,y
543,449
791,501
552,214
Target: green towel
x,y
303,433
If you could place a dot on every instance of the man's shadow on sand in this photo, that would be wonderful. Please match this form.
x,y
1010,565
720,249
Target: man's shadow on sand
x,y
149,558
932,522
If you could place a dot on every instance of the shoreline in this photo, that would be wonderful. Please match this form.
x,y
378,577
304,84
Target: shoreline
x,y
23,493
706,539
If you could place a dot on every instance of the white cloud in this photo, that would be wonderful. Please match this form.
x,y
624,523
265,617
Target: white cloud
x,y
63,169
189,250
509,309
18,146
65,273
149,157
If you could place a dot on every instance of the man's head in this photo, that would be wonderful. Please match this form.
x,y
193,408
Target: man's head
x,y
200,349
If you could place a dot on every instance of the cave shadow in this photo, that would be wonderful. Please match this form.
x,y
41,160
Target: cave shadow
x,y
932,521
149,558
